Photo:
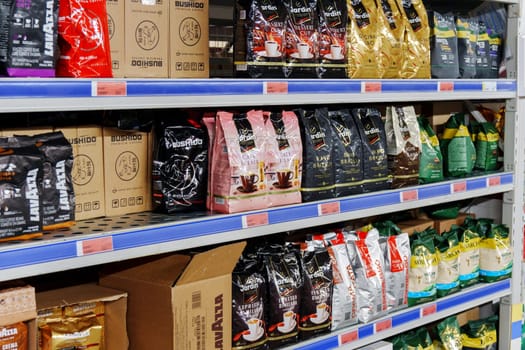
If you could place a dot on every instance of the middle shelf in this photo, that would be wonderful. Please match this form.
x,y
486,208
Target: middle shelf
x,y
110,239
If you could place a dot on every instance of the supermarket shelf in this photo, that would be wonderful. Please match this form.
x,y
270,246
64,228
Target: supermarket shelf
x,y
408,319
39,95
95,242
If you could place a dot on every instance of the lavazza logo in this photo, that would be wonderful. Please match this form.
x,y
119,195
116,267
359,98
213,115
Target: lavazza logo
x,y
8,332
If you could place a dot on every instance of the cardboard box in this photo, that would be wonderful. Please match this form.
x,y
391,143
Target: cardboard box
x,y
469,315
88,170
446,224
189,39
115,305
24,131
146,38
415,225
115,9
127,179
18,304
163,307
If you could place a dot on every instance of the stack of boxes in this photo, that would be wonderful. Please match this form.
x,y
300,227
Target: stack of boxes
x,y
159,38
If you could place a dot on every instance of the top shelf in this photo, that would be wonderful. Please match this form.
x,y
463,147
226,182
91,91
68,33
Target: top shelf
x,y
35,95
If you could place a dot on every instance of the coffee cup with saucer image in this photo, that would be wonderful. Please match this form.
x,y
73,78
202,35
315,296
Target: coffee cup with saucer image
x,y
255,330
289,322
321,314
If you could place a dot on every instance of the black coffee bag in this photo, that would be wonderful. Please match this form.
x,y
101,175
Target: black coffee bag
x,y
443,46
467,33
318,173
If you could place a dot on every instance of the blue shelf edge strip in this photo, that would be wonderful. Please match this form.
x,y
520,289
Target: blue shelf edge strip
x,y
19,257
414,314
82,88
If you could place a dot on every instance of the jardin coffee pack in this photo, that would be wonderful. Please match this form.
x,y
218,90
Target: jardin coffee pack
x,y
403,145
238,182
58,197
20,178
318,172
83,39
391,34
487,147
348,153
444,46
302,38
284,294
333,19
431,159
316,295
180,167
284,158
467,34
266,43
416,46
32,44
375,162
5,13
248,306
363,61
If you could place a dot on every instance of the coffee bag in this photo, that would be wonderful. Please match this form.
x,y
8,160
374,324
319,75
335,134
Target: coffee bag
x,y
444,46
467,33
391,35
416,46
333,51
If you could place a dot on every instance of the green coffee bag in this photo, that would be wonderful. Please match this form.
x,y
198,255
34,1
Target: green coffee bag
x,y
431,159
487,147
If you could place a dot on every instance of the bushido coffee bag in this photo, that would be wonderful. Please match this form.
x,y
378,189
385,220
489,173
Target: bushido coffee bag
x,y
238,181
20,190
333,19
318,173
348,153
302,38
283,273
58,196
467,33
391,34
32,49
443,46
249,301
316,295
266,39
284,158
363,60
403,145
373,137
416,46
180,167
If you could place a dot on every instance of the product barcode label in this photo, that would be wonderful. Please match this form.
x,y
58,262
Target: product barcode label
x,y
347,315
96,245
196,300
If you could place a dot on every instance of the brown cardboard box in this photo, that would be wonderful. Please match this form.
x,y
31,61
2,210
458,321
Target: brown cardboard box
x,y
146,38
18,304
115,305
163,307
415,225
126,175
469,315
24,131
88,170
189,39
445,224
115,9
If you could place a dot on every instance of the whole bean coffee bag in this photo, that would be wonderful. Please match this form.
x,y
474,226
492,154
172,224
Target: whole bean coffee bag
x,y
431,159
416,47
284,158
467,33
396,250
266,39
302,38
238,181
316,295
180,167
443,46
403,145
333,52
249,301
488,52
32,46
284,294
348,153
373,137
318,173
448,252
391,34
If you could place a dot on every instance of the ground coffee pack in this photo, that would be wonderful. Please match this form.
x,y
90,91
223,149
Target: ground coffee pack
x,y
333,51
444,46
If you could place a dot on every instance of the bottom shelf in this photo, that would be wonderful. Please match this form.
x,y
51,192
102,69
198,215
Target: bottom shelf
x,y
410,318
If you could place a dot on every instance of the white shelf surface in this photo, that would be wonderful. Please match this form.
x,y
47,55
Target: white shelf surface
x,y
40,95
410,318
95,242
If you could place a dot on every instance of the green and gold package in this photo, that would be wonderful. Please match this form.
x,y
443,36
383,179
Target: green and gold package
x,y
449,334
444,46
487,147
448,251
469,241
480,334
423,269
495,254
459,152
418,339
431,159
391,29
72,333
